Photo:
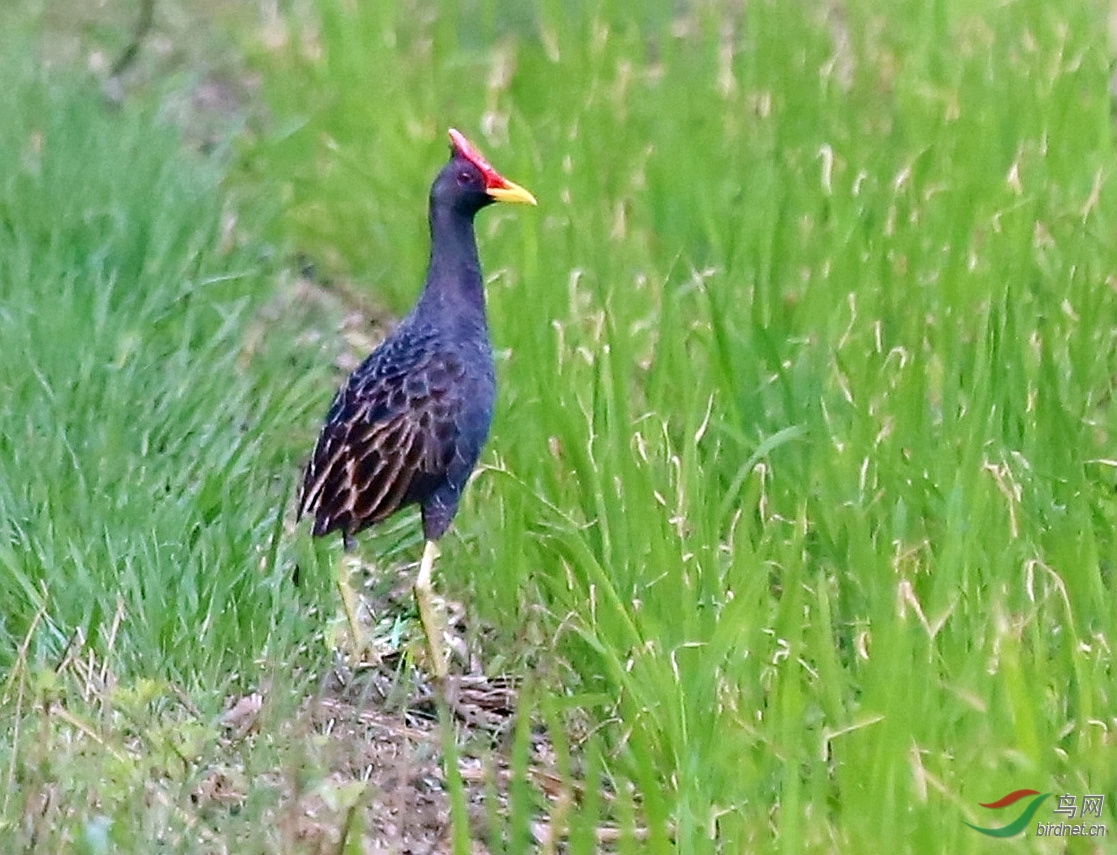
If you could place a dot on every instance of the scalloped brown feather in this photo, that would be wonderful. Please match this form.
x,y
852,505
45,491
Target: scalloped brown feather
x,y
386,441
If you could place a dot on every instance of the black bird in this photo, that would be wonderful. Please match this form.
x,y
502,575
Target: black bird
x,y
408,425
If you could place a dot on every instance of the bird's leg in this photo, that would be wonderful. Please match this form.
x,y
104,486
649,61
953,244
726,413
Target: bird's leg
x,y
348,597
432,627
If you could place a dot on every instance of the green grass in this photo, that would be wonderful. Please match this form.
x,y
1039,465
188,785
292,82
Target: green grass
x,y
131,431
799,506
144,466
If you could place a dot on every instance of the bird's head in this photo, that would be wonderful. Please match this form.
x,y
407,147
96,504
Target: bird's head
x,y
469,183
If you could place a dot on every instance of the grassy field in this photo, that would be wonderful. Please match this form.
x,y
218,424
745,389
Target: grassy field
x,y
796,526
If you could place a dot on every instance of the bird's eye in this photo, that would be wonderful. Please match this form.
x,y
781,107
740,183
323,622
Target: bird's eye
x,y
464,177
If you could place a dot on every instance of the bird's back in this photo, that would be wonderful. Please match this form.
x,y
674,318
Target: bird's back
x,y
406,428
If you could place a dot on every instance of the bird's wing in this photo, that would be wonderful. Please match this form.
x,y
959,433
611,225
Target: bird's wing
x,y
385,440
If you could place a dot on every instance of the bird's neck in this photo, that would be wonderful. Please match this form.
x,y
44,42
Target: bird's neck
x,y
454,283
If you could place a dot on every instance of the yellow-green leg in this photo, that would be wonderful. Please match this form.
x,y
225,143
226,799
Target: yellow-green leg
x,y
432,627
349,604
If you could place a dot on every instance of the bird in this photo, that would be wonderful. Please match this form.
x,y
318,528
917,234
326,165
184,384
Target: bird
x,y
408,425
